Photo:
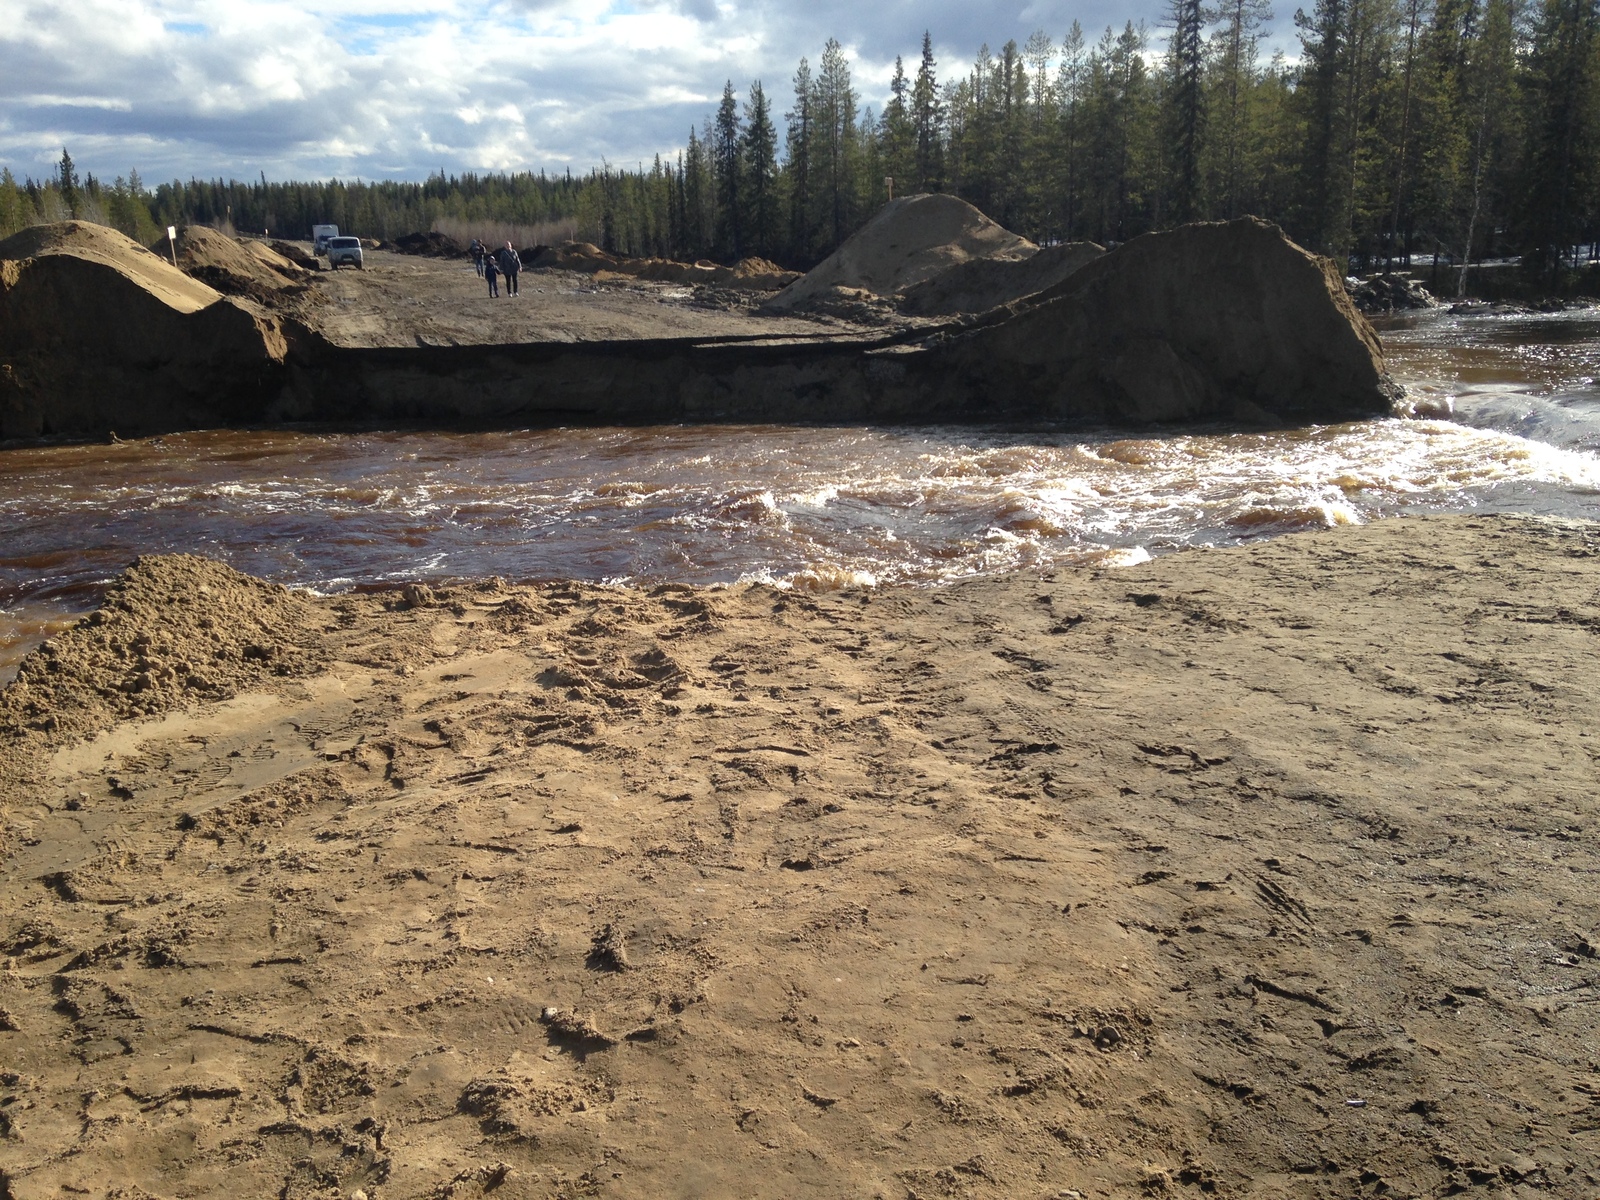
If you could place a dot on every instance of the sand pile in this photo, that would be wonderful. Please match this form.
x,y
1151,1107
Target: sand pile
x,y
173,630
1225,319
748,274
235,266
98,332
574,256
909,241
99,244
980,284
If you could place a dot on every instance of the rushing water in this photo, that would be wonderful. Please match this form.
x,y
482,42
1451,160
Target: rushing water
x,y
801,506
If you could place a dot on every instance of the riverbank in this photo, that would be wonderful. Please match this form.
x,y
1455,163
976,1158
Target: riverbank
x,y
1263,869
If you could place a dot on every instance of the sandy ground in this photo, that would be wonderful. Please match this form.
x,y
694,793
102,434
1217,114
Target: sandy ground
x,y
400,300
1267,871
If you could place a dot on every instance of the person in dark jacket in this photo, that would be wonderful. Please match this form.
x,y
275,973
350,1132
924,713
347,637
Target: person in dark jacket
x,y
491,272
478,255
510,266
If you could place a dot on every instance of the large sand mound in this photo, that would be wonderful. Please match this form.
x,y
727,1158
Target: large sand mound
x,y
91,322
1223,319
235,266
909,241
980,284
98,244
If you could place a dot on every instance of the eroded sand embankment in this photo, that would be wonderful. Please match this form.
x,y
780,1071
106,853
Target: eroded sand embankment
x,y
1209,322
1268,870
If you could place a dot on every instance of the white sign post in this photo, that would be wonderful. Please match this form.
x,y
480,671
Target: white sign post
x,y
172,243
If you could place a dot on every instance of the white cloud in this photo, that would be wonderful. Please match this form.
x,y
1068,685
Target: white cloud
x,y
376,88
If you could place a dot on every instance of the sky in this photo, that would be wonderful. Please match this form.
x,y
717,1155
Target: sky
x,y
400,89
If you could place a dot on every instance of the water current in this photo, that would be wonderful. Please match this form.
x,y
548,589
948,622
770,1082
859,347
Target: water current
x,y
798,506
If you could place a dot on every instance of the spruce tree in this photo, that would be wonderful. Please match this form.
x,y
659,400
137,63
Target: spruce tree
x,y
1560,177
725,155
1185,104
836,139
1234,46
897,132
760,158
67,182
799,140
927,114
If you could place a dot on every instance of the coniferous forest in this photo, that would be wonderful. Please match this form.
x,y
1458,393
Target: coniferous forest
x,y
1448,129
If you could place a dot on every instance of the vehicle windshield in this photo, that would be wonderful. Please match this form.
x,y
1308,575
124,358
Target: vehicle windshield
x,y
345,243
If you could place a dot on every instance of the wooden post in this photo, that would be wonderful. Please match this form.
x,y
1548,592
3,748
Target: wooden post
x,y
888,182
172,243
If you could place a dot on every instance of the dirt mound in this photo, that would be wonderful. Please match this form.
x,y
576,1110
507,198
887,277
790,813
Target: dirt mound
x,y
757,275
1228,319
98,332
432,244
980,284
575,256
235,266
100,244
173,629
909,241
297,255
748,274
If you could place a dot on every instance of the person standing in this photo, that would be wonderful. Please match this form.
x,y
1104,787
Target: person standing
x,y
491,272
510,267
477,251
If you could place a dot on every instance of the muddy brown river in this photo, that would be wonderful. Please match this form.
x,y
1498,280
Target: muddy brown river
x,y
798,506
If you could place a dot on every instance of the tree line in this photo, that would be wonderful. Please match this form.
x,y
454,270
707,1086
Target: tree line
x,y
1452,129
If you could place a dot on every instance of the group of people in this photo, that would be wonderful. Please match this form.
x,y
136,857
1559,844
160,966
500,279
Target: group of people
x,y
491,264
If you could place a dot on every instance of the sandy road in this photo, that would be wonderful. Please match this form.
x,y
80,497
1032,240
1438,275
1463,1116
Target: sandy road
x,y
400,300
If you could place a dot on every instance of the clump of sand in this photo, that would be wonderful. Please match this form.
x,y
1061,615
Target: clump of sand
x,y
235,266
173,630
910,240
981,284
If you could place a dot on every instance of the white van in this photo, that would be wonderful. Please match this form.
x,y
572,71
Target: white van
x,y
344,252
320,235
